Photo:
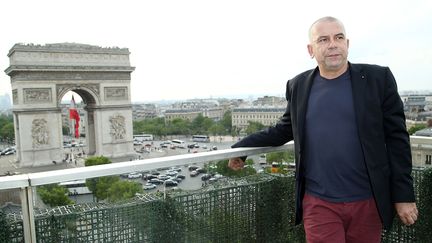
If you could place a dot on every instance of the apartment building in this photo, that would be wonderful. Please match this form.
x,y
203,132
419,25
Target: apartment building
x,y
267,116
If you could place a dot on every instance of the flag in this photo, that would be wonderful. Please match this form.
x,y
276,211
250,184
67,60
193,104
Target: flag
x,y
74,115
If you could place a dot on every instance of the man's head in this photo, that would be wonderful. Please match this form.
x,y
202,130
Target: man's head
x,y
329,45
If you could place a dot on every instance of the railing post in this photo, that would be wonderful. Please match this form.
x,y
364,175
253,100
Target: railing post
x,y
28,214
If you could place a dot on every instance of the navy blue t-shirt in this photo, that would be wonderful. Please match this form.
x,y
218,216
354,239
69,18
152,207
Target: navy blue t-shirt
x,y
334,163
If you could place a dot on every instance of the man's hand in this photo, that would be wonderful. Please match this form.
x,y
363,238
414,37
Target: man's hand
x,y
407,212
236,164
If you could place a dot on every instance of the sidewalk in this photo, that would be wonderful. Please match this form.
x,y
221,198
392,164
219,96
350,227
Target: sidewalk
x,y
8,166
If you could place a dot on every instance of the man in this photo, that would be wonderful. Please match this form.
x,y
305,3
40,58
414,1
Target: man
x,y
353,157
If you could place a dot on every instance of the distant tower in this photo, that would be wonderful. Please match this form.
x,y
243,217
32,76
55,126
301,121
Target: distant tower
x,y
42,74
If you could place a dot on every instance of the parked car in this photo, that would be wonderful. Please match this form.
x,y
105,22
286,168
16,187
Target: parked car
x,y
178,169
205,177
156,181
149,186
171,183
192,167
8,150
171,173
194,173
148,176
134,175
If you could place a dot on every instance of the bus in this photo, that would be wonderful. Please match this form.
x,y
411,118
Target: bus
x,y
143,137
200,138
76,187
178,143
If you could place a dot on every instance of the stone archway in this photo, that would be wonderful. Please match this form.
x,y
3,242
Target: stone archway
x,y
42,74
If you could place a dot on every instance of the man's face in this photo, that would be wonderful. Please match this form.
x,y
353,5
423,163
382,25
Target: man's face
x,y
329,46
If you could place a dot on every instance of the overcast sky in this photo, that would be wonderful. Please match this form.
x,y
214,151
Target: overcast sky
x,y
186,49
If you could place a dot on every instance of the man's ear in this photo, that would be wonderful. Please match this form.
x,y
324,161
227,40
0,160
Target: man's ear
x,y
310,50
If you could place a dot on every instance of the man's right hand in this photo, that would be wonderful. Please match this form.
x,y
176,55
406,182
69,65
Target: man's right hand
x,y
236,164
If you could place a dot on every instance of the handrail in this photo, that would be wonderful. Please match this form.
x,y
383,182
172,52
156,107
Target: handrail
x,y
56,176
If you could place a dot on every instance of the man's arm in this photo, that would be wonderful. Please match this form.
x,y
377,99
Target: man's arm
x,y
276,135
399,153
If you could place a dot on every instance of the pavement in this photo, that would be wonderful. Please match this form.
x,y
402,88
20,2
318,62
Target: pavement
x,y
9,165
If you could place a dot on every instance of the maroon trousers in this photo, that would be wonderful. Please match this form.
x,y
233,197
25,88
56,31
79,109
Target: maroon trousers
x,y
353,222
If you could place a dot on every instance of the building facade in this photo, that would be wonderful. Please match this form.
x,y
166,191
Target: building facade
x,y
421,149
267,116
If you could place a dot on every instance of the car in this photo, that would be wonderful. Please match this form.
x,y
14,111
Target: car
x,y
163,177
192,167
181,176
134,175
156,181
171,173
201,170
194,173
178,169
171,183
148,176
214,148
191,145
205,177
7,150
149,186
13,151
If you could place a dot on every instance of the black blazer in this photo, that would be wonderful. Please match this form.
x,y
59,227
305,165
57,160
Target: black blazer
x,y
381,128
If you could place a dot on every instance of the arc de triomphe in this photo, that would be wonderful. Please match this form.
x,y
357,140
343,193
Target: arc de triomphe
x,y
42,74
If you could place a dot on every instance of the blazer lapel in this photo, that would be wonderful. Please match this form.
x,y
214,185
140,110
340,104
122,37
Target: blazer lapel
x,y
303,98
358,85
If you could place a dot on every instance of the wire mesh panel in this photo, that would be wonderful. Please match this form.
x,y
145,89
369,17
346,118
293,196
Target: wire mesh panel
x,y
258,208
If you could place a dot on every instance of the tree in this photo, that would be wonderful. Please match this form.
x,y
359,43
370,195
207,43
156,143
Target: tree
x,y
223,169
103,186
280,156
54,195
416,128
99,186
254,127
65,130
226,121
217,129
179,127
121,190
7,131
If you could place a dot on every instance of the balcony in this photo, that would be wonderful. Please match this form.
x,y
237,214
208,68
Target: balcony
x,y
257,208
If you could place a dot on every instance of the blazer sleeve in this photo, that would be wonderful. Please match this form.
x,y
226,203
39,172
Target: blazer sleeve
x,y
397,143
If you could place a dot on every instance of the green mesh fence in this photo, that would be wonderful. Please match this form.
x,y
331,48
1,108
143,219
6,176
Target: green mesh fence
x,y
258,208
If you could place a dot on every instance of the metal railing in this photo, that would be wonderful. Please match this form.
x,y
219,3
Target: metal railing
x,y
26,182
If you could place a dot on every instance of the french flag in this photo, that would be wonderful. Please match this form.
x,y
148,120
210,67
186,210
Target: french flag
x,y
74,115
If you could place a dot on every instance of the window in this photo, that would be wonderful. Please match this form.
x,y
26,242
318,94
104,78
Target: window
x,y
428,159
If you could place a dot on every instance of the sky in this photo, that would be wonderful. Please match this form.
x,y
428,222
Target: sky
x,y
186,49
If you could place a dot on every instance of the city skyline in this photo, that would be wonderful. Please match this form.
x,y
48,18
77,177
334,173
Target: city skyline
x,y
198,49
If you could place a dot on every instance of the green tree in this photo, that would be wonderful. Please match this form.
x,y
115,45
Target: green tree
x,y
223,169
179,127
54,195
99,186
254,127
121,190
217,129
103,186
155,126
226,122
415,128
7,131
65,130
280,156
